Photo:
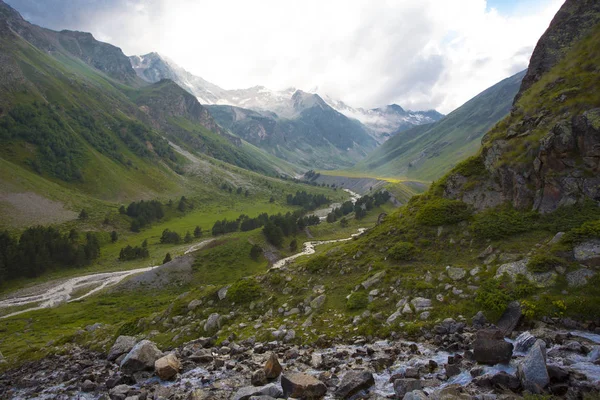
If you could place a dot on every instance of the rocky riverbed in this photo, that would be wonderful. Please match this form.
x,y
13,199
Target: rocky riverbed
x,y
453,361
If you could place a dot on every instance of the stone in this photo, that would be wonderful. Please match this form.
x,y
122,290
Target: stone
x,y
407,309
88,386
516,268
393,317
289,336
451,370
424,315
532,370
412,372
406,385
258,378
456,274
375,279
421,304
141,357
194,304
479,320
122,345
222,293
523,342
510,318
202,356
318,302
490,347
556,238
415,395
272,367
579,277
167,367
246,392
302,386
588,253
504,379
119,392
198,394
353,382
212,323
475,271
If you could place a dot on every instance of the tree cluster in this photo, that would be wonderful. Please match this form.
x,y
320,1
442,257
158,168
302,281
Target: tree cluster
x,y
143,213
133,253
306,200
170,237
40,249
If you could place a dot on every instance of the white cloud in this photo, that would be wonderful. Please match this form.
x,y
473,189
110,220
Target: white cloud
x,y
417,53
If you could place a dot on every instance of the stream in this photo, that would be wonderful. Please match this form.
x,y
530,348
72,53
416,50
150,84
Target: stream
x,y
322,213
57,292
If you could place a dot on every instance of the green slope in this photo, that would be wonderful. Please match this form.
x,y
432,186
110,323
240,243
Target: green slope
x,y
428,151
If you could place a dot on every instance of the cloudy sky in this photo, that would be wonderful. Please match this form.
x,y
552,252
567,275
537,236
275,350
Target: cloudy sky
x,y
421,54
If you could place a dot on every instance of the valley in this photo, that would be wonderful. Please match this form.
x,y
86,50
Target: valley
x,y
162,237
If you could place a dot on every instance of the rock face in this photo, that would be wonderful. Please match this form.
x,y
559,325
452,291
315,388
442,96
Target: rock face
x,y
353,382
122,345
302,386
141,357
532,371
490,347
272,367
167,367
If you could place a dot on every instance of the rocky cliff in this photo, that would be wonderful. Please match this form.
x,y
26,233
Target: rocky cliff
x,y
546,153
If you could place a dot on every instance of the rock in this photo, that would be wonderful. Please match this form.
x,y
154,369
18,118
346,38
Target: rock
x,y
506,380
212,323
532,370
246,392
516,268
523,342
588,253
141,357
421,304
353,382
479,320
194,304
510,318
456,274
406,385
202,356
302,386
556,238
222,293
88,386
557,374
318,302
475,271
198,394
119,392
412,372
490,347
373,280
579,277
122,345
407,309
393,317
272,367
415,395
259,378
424,316
289,336
451,370
167,367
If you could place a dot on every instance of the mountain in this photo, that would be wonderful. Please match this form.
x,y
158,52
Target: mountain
x,y
386,121
426,152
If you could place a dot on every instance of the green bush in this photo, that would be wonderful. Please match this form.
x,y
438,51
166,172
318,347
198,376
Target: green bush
x,y
471,167
244,291
493,296
357,301
402,251
500,223
588,230
441,211
544,263
129,329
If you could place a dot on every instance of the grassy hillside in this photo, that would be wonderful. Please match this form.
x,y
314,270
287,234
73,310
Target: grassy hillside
x,y
427,152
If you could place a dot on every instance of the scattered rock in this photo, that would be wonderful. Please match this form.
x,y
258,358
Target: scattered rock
x,y
373,280
141,357
415,395
318,302
394,317
406,385
579,277
524,341
456,274
421,304
510,318
272,367
588,253
407,309
353,382
302,386
479,320
556,238
222,293
194,304
532,370
122,345
490,347
88,386
167,367
259,378
212,323
248,391
119,392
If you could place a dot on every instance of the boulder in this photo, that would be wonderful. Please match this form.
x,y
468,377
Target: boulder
x,y
479,320
456,274
510,318
88,386
141,357
579,277
259,378
318,302
415,395
588,252
167,367
302,386
516,268
393,317
373,280
194,304
272,367
406,385
421,304
212,323
222,293
353,382
407,309
246,392
505,380
523,342
490,347
119,392
122,345
532,371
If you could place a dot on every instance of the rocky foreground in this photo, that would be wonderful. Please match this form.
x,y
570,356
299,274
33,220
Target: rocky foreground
x,y
454,361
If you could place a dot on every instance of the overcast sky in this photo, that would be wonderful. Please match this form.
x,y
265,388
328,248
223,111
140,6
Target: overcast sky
x,y
421,54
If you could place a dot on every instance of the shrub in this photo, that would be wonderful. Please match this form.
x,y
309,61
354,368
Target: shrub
x,y
544,263
255,252
244,291
402,251
493,297
501,223
357,301
440,211
588,230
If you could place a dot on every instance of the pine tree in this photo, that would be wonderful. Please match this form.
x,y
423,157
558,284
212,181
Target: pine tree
x,y
255,252
83,215
198,232
114,236
188,237
294,245
167,258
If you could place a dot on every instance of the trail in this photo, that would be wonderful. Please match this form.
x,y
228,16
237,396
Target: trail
x,y
309,248
57,292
